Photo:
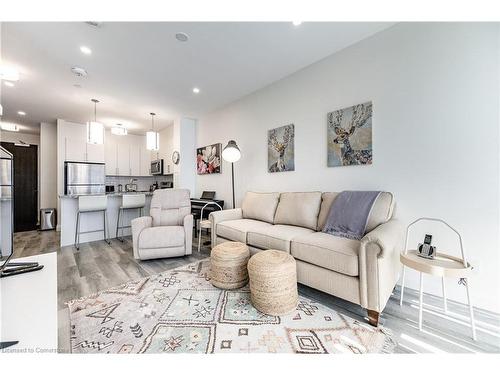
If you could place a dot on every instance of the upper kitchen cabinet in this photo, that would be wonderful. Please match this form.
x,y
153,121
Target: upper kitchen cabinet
x,y
95,153
111,155
135,154
75,146
127,155
145,159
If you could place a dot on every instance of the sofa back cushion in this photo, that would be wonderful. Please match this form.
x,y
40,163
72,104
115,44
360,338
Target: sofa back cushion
x,y
169,207
299,209
260,206
381,211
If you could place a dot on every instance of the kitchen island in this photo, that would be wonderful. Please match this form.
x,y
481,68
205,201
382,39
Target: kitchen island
x,y
93,221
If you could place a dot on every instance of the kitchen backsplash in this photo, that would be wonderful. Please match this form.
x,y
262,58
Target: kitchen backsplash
x,y
143,183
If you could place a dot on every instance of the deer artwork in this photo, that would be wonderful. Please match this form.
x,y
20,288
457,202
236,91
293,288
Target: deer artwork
x,y
280,147
360,115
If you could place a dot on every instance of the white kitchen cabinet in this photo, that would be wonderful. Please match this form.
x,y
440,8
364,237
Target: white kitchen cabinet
x,y
145,159
123,157
135,155
95,153
75,142
76,147
110,155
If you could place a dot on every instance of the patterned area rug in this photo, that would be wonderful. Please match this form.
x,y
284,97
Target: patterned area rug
x,y
179,311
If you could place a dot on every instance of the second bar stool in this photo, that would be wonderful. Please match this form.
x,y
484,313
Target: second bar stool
x,y
91,203
130,201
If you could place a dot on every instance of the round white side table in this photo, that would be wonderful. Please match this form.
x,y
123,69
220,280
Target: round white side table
x,y
442,265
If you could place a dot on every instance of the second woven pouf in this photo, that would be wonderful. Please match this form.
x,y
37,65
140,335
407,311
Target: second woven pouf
x,y
228,265
273,282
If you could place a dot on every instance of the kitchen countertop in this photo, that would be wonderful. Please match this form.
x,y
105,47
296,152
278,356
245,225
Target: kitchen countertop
x,y
116,194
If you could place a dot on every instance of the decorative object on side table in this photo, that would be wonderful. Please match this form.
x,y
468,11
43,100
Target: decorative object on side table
x,y
273,282
228,265
350,136
232,154
208,159
280,149
441,265
426,250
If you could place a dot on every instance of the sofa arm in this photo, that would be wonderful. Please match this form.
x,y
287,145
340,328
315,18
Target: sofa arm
x,y
220,216
379,264
138,225
188,234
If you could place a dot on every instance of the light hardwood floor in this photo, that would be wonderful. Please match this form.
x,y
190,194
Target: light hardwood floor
x,y
98,266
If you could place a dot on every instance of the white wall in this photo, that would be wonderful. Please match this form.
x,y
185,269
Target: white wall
x,y
184,142
435,94
48,165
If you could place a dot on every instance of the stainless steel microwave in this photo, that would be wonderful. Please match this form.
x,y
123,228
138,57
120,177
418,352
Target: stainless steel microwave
x,y
157,167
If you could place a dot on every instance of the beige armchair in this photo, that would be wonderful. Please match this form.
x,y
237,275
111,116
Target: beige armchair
x,y
168,232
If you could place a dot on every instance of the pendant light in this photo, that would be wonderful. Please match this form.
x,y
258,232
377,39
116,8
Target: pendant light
x,y
152,137
119,129
95,130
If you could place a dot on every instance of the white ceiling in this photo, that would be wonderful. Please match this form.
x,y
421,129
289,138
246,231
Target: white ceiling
x,y
136,68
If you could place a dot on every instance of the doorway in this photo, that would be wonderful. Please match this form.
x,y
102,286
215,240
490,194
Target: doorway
x,y
25,181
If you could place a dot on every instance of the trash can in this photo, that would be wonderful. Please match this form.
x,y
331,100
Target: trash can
x,y
47,219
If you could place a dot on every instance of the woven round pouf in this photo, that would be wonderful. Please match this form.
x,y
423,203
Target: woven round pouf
x,y
273,282
228,265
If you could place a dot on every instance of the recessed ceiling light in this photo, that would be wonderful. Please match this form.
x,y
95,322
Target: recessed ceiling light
x,y
196,90
296,23
86,50
21,113
182,37
9,84
9,127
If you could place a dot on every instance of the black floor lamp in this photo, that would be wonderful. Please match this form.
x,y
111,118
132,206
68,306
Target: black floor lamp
x,y
232,154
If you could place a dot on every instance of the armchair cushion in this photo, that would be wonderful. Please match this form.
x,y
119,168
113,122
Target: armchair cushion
x,y
170,206
161,237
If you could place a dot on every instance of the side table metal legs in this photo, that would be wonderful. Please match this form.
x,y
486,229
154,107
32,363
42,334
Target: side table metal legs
x,y
445,303
471,311
421,301
402,287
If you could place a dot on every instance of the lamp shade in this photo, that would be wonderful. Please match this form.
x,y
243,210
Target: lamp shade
x,y
152,140
95,133
231,152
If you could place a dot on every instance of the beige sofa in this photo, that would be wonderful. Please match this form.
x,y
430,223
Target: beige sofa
x,y
363,272
168,232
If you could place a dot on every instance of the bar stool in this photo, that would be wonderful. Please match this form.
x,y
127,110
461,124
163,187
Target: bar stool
x,y
91,203
205,224
130,201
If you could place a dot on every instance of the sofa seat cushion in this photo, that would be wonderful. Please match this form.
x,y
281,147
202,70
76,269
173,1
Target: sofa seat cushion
x,y
161,237
327,251
276,237
236,230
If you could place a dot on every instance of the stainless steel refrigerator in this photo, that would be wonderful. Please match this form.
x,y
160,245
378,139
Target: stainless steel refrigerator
x,y
82,178
6,202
